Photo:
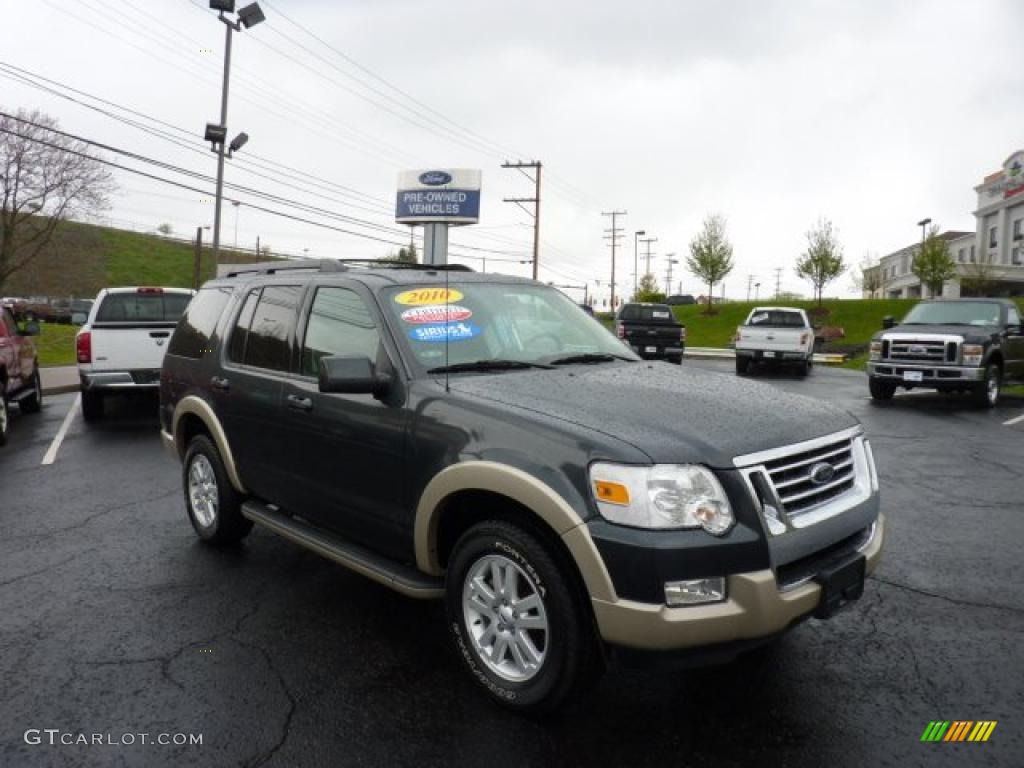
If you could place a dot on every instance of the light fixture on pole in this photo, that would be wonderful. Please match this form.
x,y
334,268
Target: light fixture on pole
x,y
922,224
635,262
217,133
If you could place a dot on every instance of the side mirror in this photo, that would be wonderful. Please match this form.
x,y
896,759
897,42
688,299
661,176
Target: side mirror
x,y
351,375
78,318
888,322
1013,330
31,328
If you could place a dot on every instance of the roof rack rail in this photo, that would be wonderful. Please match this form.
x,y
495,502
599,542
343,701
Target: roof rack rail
x,y
336,265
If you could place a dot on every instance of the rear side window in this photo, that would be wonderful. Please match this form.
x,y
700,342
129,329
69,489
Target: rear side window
x,y
236,344
339,324
195,331
142,307
272,322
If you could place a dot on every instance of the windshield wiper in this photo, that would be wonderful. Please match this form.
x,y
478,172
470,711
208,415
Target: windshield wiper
x,y
487,365
589,357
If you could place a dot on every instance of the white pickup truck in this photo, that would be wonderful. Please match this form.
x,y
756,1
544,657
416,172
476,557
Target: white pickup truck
x,y
122,344
775,336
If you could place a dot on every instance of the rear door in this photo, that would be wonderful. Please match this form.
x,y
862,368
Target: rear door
x,y
247,390
10,351
131,329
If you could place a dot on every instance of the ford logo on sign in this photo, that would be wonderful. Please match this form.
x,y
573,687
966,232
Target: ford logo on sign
x,y
435,178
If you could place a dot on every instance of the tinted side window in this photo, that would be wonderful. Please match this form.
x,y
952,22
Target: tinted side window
x,y
192,337
272,323
340,323
236,344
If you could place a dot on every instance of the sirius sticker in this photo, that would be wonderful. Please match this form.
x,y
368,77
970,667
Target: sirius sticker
x,y
442,332
438,313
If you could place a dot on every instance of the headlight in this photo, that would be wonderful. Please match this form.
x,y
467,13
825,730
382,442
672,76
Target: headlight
x,y
661,496
875,352
973,354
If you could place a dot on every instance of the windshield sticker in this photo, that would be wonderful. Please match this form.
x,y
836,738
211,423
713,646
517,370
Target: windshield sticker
x,y
437,313
425,296
441,331
660,314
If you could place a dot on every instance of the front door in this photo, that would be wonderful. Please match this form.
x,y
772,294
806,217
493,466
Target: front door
x,y
346,453
1013,346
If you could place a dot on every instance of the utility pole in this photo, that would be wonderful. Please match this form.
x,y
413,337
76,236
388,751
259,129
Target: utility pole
x,y
750,283
648,241
614,237
778,282
668,272
198,258
536,166
636,267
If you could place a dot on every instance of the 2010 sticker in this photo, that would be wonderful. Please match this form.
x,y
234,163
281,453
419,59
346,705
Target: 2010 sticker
x,y
443,331
436,313
419,297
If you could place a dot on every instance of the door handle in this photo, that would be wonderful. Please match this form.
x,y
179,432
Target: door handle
x,y
220,384
300,403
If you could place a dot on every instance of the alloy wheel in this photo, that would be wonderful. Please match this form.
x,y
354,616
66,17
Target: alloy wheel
x,y
202,490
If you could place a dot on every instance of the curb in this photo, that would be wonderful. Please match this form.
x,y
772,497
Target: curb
x,y
715,353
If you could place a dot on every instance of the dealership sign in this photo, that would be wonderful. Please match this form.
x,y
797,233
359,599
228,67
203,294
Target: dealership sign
x,y
438,196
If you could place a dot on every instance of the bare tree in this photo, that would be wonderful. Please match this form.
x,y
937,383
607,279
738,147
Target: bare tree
x,y
822,262
165,229
869,276
710,256
45,178
978,278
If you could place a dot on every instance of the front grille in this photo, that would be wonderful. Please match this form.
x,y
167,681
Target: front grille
x,y
798,491
918,350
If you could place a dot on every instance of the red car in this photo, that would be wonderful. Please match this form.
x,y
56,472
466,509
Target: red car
x,y
19,369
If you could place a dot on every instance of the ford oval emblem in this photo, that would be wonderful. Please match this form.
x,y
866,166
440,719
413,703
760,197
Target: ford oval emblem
x,y
435,178
917,349
822,472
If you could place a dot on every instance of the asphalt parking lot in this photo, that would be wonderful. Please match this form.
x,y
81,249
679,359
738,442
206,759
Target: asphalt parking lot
x,y
115,620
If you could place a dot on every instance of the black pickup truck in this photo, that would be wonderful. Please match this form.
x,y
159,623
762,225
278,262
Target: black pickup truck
x,y
951,345
652,331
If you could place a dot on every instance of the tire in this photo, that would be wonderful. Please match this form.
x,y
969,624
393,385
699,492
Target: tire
x,y
742,366
560,641
986,394
676,360
5,416
881,390
92,406
214,507
34,402
803,368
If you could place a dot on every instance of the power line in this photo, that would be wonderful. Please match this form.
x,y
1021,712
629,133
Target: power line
x,y
536,166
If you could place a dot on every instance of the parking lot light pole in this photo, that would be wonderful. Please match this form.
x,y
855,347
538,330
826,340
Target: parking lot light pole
x,y
922,224
248,17
636,263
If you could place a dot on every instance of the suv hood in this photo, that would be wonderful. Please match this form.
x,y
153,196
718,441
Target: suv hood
x,y
673,415
967,331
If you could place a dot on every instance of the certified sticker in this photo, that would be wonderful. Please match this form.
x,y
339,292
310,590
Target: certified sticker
x,y
425,296
442,331
437,313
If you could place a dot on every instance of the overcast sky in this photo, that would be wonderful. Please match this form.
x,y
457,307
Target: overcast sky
x,y
874,114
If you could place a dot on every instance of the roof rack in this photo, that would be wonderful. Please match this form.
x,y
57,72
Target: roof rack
x,y
337,265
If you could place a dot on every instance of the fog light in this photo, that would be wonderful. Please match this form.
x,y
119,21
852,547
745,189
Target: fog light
x,y
695,591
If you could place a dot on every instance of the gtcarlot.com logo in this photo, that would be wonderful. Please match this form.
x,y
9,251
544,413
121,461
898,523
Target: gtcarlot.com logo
x,y
57,737
958,730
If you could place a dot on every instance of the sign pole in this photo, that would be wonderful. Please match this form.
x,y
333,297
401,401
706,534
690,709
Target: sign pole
x,y
435,244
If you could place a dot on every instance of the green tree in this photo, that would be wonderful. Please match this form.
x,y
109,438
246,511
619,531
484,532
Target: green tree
x,y
933,265
710,256
647,290
822,262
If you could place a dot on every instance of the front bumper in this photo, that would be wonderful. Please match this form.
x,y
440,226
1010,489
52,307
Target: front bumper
x,y
143,378
755,608
931,375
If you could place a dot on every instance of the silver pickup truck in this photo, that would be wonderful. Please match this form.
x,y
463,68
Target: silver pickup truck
x,y
774,336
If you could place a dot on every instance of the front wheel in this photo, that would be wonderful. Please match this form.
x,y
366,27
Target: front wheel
x,y
986,394
518,622
881,390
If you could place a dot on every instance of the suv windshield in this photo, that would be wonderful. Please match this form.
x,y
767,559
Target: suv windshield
x,y
954,313
521,322
775,318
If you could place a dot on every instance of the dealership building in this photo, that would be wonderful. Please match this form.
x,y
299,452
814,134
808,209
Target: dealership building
x,y
989,261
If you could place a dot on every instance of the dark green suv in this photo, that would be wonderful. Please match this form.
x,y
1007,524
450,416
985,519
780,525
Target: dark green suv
x,y
480,440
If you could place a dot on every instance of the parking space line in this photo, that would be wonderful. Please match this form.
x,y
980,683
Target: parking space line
x,y
51,452
1016,420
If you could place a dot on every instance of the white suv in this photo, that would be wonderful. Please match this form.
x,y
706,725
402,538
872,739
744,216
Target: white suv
x,y
122,344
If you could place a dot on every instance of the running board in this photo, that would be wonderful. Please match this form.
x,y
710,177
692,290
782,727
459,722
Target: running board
x,y
399,577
